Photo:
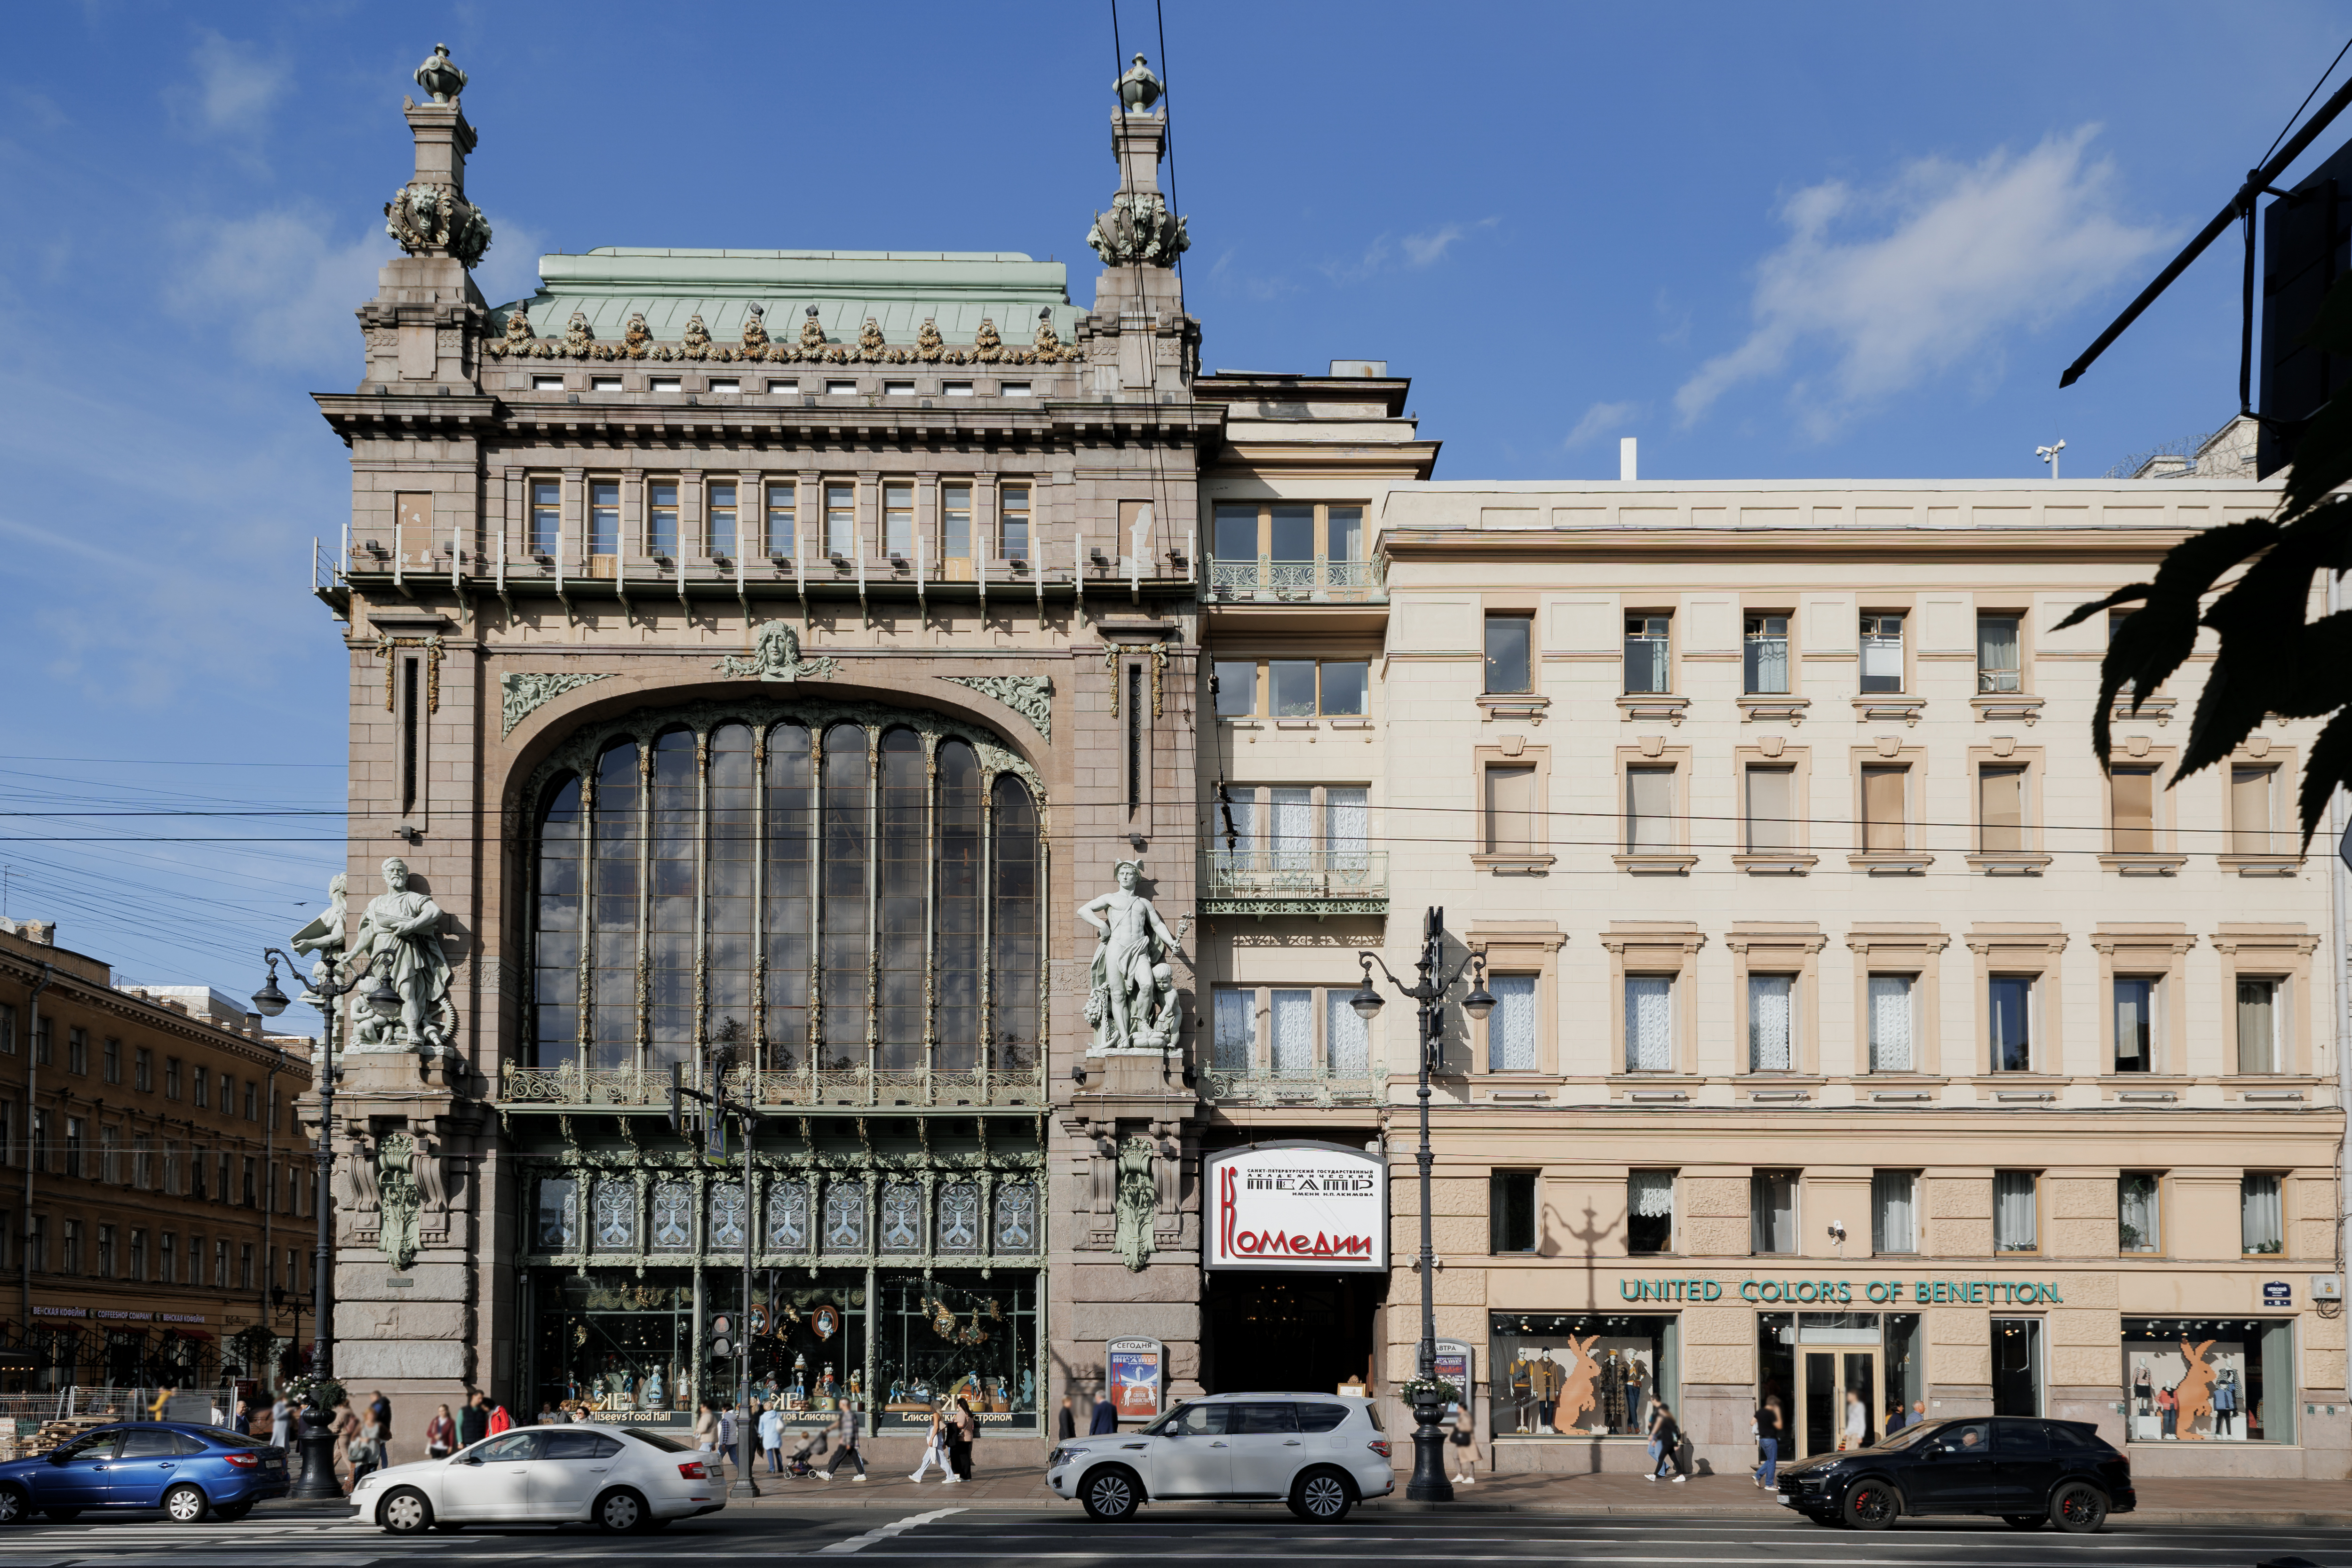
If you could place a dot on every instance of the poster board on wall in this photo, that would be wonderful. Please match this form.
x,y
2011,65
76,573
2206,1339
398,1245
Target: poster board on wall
x,y
1138,1371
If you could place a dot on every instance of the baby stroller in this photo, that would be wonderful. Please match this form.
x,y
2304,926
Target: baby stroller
x,y
796,1464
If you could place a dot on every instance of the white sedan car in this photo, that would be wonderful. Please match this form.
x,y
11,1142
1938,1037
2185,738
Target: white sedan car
x,y
617,1478
1322,1454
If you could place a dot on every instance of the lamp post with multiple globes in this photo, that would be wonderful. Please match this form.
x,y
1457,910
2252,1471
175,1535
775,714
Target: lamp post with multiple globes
x,y
1428,1483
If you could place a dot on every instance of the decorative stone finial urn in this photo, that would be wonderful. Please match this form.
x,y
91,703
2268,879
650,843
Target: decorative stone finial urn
x,y
443,81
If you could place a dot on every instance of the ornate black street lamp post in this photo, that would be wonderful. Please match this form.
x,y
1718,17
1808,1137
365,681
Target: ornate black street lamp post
x,y
314,1434
1429,1483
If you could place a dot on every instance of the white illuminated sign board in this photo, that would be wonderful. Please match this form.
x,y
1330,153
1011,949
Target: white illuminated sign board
x,y
1305,1207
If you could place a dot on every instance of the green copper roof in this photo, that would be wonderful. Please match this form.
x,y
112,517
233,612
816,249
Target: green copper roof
x,y
898,289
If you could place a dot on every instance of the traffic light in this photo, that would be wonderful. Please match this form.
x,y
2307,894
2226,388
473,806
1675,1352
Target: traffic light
x,y
722,1337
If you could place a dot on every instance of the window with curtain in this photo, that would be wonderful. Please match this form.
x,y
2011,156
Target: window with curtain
x,y
1235,1047
2258,1021
2261,1221
887,882
1511,1026
898,521
1893,1016
782,514
1884,819
1347,828
1291,1034
2134,1009
2254,794
1769,999
2008,1000
546,515
1999,667
1882,653
1765,655
1894,1211
2014,1221
603,520
1347,1039
1650,811
841,520
1649,1212
718,519
1290,825
1510,790
955,525
1649,1023
661,518
1771,809
2001,809
2136,1229
1647,661
2131,810
1772,1212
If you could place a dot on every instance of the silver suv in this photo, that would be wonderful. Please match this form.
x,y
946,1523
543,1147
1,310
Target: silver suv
x,y
1322,1453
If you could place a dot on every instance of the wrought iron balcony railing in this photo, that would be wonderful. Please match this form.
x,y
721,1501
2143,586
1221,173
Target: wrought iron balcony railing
x,y
1263,881
569,1087
1296,582
1292,1089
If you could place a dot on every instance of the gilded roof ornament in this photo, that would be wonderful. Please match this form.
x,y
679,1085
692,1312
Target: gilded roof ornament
x,y
443,81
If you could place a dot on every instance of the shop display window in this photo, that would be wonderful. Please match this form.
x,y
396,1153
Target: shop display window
x,y
955,1336
2226,1380
1579,1375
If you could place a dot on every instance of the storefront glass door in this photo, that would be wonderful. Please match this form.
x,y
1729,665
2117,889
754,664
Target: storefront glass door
x,y
1828,1376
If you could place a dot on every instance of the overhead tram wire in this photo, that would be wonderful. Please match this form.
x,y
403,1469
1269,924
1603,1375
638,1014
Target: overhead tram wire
x,y
1169,110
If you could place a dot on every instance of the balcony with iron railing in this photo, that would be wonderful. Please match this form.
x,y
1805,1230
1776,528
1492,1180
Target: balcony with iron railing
x,y
1264,580
1262,880
569,1088
1274,1089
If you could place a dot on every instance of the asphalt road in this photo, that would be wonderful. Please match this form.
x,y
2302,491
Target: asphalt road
x,y
1006,1539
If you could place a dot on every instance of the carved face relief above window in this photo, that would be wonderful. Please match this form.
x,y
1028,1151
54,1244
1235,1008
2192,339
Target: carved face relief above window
x,y
728,1218
896,857
1016,1217
559,1214
844,1217
902,1217
673,1227
959,1217
788,1216
616,1216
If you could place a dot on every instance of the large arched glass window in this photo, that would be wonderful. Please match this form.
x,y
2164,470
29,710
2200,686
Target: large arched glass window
x,y
833,898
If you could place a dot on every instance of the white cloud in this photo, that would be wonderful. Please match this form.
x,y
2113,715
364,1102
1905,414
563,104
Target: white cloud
x,y
236,85
283,282
1428,249
1600,420
511,270
1954,257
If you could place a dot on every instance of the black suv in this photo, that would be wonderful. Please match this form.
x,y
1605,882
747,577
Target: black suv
x,y
2023,1471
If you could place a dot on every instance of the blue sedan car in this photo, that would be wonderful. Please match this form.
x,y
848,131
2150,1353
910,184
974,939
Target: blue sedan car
x,y
191,1472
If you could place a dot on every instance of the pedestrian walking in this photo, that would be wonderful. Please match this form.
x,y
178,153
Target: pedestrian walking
x,y
725,1435
1857,1422
705,1428
281,1422
1464,1446
935,1446
772,1438
964,1430
845,1438
440,1434
1895,1420
379,1411
473,1420
1768,1444
1069,1421
1106,1421
500,1420
347,1432
1667,1442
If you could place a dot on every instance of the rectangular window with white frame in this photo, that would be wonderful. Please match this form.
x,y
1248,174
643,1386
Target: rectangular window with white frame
x,y
1882,653
2134,1022
1649,1212
2016,1211
1894,1023
2139,1221
1649,1023
719,520
2009,1008
841,521
1013,521
1772,1212
2261,1216
661,519
1649,653
898,521
2000,665
1894,1211
2258,1024
546,515
1771,1022
1764,656
2253,810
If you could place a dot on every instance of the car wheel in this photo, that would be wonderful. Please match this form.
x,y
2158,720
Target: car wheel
x,y
62,1515
406,1513
231,1513
620,1512
13,1507
1869,1505
1321,1497
2079,1509
1111,1493
2023,1520
185,1505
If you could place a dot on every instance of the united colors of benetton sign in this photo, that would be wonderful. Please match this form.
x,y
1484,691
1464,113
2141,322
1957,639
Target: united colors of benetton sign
x,y
1311,1207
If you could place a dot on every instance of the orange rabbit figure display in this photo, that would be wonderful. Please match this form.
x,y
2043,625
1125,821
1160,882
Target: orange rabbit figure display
x,y
1576,1395
2195,1394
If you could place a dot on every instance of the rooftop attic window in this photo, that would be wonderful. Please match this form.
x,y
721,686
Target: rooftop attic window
x,y
547,384
1016,389
727,388
667,383
783,388
841,389
955,389
897,389
603,384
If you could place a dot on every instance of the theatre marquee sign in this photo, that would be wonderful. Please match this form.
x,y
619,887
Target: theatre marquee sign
x,y
1298,1206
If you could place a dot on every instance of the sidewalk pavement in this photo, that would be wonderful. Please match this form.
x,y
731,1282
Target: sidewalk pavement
x,y
2162,1500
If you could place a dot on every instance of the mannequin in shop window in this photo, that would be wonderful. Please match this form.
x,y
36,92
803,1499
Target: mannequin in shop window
x,y
2225,1404
2143,1390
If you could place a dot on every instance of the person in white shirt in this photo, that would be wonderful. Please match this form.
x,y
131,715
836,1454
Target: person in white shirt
x,y
935,1449
772,1438
1857,1421
281,1422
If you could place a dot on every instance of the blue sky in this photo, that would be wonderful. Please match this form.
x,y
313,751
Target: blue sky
x,y
1836,240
